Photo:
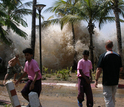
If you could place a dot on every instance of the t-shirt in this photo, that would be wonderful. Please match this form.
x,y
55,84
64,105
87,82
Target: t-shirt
x,y
111,63
85,66
32,67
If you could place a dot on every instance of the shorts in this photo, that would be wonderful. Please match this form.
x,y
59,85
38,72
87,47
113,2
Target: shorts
x,y
11,70
37,88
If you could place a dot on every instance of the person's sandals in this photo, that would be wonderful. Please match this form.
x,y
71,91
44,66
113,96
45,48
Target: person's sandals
x,y
80,104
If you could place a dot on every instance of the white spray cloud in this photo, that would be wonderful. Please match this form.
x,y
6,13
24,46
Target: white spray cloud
x,y
57,45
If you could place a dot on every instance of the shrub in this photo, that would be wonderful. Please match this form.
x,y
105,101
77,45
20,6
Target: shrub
x,y
65,73
48,75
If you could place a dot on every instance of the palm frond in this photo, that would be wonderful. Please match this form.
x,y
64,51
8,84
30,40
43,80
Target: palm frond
x,y
26,5
51,17
19,20
2,14
3,36
105,19
49,10
121,20
17,30
49,22
22,12
71,18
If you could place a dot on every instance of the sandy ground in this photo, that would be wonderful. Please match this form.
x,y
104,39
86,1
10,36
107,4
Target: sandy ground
x,y
62,96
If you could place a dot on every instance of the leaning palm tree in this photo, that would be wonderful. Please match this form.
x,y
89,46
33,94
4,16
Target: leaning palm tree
x,y
14,12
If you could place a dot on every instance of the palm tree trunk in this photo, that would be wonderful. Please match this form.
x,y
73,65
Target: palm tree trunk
x,y
33,27
118,29
91,47
74,66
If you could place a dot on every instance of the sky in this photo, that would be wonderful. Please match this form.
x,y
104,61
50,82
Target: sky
x,y
106,30
48,4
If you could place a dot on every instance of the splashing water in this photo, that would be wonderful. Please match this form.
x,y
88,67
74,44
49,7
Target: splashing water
x,y
57,45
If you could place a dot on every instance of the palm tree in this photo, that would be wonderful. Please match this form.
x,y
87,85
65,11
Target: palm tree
x,y
90,11
117,6
62,8
14,12
119,40
2,31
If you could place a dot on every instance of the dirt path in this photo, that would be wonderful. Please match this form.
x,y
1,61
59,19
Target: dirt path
x,y
62,96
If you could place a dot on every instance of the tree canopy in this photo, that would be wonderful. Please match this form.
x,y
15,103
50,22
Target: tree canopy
x,y
12,16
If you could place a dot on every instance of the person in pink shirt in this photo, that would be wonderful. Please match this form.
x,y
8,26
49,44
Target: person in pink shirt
x,y
32,69
84,69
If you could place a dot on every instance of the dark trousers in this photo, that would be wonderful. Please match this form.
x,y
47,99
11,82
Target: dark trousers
x,y
37,88
83,87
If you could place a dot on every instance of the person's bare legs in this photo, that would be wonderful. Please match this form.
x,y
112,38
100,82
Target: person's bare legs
x,y
26,99
15,77
4,81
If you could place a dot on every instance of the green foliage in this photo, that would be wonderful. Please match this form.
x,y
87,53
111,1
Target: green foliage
x,y
76,72
8,105
65,10
69,69
48,75
65,73
45,69
62,74
75,11
12,16
51,71
58,76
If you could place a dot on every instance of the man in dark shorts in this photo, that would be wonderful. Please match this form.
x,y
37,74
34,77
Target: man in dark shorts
x,y
32,69
11,68
111,64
